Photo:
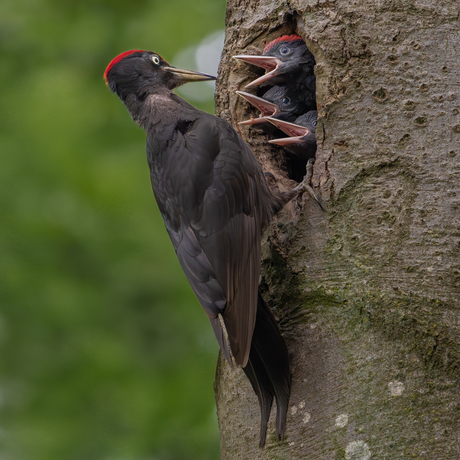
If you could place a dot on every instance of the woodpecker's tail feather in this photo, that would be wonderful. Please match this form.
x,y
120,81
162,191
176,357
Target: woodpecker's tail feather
x,y
268,370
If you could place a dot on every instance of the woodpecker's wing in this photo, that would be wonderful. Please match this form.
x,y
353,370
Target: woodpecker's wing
x,y
215,203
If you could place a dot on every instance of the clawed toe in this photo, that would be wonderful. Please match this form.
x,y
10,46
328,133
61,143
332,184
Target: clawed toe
x,y
305,186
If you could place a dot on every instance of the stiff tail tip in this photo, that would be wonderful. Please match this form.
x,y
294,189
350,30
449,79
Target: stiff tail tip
x,y
268,370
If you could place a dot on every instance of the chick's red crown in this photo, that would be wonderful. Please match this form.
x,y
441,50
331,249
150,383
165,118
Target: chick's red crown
x,y
284,38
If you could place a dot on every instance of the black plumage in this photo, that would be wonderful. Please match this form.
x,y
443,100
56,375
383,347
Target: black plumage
x,y
215,203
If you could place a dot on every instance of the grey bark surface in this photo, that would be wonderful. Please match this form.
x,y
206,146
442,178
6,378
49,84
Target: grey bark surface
x,y
366,293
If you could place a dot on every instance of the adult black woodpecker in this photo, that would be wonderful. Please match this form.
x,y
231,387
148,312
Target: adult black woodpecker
x,y
279,102
215,203
288,62
302,134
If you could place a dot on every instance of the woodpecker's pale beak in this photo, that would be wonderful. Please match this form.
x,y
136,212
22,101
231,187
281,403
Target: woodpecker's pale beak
x,y
266,108
269,63
297,133
185,76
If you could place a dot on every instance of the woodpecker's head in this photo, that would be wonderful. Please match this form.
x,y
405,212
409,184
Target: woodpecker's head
x,y
278,101
281,56
303,131
285,98
309,120
141,73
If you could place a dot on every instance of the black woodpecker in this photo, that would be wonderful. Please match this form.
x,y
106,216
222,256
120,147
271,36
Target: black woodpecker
x,y
302,134
215,203
278,102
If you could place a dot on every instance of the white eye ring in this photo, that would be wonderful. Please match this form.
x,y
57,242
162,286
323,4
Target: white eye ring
x,y
156,60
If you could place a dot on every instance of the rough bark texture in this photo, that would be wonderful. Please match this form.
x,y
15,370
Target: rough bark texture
x,y
367,293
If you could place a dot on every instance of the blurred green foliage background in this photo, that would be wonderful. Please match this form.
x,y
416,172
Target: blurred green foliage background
x,y
105,352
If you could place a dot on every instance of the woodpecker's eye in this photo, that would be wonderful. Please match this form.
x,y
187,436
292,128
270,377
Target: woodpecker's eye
x,y
284,50
286,101
156,59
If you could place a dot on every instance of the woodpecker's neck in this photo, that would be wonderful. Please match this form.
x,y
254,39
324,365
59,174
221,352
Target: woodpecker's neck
x,y
158,109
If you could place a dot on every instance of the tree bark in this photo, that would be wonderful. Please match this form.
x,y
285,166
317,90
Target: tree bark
x,y
366,293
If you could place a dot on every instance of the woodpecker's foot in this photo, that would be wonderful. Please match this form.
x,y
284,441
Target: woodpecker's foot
x,y
305,186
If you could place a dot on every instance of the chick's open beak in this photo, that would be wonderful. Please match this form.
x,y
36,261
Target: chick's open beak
x,y
266,108
269,63
297,133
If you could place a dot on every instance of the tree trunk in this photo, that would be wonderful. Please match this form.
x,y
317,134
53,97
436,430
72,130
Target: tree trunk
x,y
366,293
